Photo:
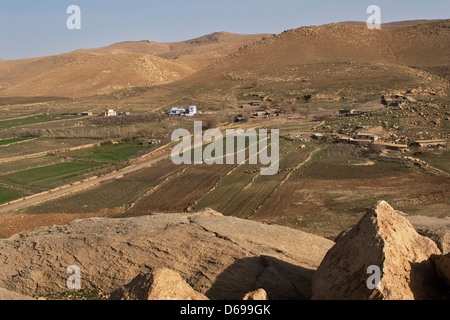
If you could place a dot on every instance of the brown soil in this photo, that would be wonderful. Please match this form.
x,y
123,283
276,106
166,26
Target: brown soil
x,y
11,224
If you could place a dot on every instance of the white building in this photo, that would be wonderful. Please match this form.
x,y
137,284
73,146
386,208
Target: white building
x,y
190,112
110,113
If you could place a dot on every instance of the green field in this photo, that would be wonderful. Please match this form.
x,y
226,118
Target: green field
x,y
7,194
25,164
5,142
244,190
5,124
116,193
110,153
40,145
439,160
49,176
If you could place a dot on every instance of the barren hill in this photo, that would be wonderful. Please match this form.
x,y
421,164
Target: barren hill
x,y
197,53
122,65
329,62
337,60
74,75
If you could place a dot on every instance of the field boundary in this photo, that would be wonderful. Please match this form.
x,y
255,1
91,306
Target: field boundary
x,y
286,178
80,185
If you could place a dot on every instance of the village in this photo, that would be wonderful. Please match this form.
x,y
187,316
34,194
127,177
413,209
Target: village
x,y
360,134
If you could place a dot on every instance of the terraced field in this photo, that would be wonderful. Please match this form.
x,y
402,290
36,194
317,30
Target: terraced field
x,y
112,194
123,192
42,175
109,153
10,123
5,142
40,145
47,177
24,164
181,191
8,194
244,190
329,194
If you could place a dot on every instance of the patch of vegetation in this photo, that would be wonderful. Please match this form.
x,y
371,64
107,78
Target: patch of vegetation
x,y
5,124
116,193
439,160
25,164
43,176
5,142
9,194
110,153
336,169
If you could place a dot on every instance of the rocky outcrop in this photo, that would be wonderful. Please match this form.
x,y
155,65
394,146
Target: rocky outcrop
x,y
161,284
220,257
437,229
204,255
382,239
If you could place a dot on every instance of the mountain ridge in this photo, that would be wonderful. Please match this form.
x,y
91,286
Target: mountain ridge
x,y
414,51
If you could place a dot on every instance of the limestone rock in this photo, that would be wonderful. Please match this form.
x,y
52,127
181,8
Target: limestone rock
x,y
221,257
259,294
437,229
161,284
387,240
441,236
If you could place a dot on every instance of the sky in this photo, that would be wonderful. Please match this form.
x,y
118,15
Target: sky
x,y
35,28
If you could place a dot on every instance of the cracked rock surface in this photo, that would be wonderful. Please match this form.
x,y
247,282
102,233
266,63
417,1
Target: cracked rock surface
x,y
218,256
383,239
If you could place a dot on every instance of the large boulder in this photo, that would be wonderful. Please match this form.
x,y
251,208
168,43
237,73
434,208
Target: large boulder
x,y
437,229
385,240
161,284
220,257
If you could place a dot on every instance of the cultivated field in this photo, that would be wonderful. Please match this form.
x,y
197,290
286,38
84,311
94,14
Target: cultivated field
x,y
322,186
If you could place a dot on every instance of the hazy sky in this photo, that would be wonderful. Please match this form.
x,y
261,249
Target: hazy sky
x,y
32,28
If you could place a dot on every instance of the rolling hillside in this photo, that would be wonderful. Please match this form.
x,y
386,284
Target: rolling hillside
x,y
343,63
119,66
329,62
331,57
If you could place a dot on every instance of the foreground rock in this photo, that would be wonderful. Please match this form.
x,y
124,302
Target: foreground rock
x,y
387,240
161,284
219,257
437,229
9,295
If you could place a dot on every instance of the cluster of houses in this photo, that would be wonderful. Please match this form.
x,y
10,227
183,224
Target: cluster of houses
x,y
108,112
